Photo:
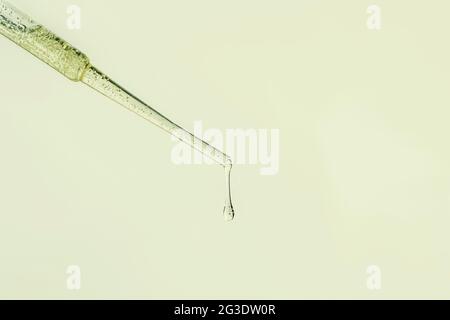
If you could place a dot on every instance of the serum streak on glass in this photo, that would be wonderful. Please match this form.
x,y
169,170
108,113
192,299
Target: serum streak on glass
x,y
76,66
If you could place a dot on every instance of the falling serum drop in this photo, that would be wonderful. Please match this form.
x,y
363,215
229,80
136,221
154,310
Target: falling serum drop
x,y
228,210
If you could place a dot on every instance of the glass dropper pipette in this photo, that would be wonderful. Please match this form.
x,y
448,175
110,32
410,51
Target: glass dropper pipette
x,y
76,66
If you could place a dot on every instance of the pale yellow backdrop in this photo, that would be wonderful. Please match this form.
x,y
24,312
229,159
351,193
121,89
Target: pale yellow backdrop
x,y
364,155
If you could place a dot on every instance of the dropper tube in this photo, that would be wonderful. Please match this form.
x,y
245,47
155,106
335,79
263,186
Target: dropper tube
x,y
76,66
100,82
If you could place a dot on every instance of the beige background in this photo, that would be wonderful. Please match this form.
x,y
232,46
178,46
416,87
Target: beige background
x,y
364,174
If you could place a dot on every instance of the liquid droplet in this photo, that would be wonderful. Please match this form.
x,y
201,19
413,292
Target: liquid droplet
x,y
228,210
228,213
